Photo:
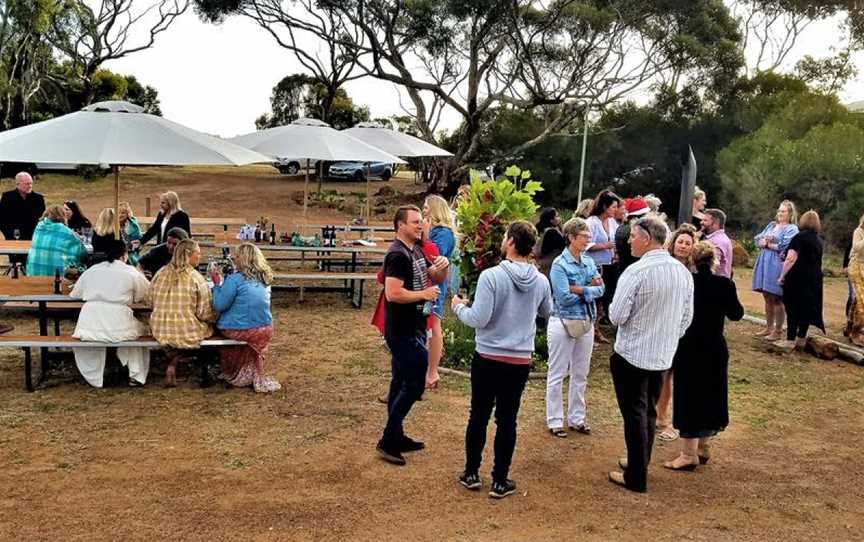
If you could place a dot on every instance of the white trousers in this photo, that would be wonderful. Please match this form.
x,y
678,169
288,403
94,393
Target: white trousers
x,y
91,363
567,357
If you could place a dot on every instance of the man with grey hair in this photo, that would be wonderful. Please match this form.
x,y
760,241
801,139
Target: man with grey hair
x,y
20,209
714,224
653,307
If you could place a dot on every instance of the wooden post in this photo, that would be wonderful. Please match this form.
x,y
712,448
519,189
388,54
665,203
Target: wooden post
x,y
117,201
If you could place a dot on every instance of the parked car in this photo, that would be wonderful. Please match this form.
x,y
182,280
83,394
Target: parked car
x,y
357,170
292,166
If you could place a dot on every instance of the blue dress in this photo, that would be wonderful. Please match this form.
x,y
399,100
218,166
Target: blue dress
x,y
444,239
769,263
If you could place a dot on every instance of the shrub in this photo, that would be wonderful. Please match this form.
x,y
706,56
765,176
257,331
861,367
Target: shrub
x,y
459,345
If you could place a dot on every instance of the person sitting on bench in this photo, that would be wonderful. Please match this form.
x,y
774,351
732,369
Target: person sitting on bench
x,y
182,312
108,289
54,246
160,255
243,302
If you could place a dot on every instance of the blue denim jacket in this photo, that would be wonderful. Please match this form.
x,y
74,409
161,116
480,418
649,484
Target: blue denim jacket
x,y
242,303
566,272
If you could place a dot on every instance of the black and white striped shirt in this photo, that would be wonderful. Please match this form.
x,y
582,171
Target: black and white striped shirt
x,y
653,307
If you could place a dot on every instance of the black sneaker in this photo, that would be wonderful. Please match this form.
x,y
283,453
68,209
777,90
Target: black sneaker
x,y
502,489
471,480
410,445
391,454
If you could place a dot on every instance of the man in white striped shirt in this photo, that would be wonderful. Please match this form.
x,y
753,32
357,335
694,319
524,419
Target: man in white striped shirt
x,y
653,307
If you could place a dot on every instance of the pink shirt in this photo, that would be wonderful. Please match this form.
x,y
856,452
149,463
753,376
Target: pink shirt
x,y
723,251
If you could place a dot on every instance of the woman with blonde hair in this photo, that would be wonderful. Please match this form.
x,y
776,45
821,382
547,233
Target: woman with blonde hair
x,y
130,232
242,300
171,215
442,232
801,280
855,271
681,248
103,233
182,311
701,362
700,201
583,210
773,242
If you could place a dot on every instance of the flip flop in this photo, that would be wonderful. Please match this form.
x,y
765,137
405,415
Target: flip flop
x,y
558,432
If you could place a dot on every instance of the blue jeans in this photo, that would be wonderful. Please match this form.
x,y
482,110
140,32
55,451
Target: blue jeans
x,y
409,362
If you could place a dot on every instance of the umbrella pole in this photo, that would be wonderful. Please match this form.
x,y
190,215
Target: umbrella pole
x,y
117,201
368,196
305,193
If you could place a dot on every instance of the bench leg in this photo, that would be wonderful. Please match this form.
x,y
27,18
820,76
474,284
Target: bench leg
x,y
359,303
43,331
28,369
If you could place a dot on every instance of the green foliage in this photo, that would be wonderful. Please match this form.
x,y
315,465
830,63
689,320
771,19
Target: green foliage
x,y
459,345
810,152
299,95
485,213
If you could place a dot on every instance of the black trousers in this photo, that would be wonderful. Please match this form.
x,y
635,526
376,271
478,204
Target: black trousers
x,y
794,326
408,364
637,391
498,385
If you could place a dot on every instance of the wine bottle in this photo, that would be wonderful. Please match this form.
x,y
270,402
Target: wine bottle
x,y
56,281
273,234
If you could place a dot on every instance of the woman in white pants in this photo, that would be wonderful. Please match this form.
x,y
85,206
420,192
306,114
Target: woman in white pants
x,y
108,288
576,284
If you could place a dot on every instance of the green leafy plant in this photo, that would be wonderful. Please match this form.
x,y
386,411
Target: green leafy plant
x,y
484,214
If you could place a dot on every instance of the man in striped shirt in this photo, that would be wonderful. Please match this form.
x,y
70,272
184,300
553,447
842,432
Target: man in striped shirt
x,y
653,307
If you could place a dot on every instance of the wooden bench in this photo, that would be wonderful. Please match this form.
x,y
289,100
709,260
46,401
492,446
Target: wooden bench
x,y
28,342
201,221
350,282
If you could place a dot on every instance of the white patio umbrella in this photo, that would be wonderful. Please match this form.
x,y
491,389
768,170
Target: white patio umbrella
x,y
404,145
114,134
313,139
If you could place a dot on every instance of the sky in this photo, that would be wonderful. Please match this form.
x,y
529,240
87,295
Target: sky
x,y
218,78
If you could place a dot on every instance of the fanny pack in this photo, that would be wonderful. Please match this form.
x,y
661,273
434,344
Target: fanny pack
x,y
576,328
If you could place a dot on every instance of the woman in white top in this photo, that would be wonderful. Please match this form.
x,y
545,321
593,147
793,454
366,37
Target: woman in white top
x,y
108,289
602,226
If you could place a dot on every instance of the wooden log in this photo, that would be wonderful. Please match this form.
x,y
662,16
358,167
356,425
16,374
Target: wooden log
x,y
822,347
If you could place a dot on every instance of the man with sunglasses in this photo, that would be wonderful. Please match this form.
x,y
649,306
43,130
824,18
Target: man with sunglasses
x,y
653,307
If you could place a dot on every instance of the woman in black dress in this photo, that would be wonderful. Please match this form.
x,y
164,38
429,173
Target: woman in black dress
x,y
801,279
550,240
701,362
170,216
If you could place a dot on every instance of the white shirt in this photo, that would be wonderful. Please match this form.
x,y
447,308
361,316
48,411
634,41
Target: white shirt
x,y
108,289
653,307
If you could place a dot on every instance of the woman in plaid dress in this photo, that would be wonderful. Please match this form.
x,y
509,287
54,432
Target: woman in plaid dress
x,y
182,313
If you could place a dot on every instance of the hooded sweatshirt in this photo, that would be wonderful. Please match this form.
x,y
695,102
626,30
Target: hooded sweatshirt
x,y
509,297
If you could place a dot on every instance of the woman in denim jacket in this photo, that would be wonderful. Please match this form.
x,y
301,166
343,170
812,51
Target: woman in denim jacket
x,y
576,284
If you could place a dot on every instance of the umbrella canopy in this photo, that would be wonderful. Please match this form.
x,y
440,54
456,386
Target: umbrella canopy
x,y
404,145
314,140
119,134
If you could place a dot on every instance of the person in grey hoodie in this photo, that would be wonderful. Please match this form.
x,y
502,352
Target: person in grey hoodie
x,y
509,297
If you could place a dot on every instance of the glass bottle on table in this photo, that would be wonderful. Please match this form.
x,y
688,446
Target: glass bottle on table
x,y
17,234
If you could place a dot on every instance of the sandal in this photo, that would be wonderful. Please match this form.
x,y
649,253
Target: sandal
x,y
668,435
170,377
558,432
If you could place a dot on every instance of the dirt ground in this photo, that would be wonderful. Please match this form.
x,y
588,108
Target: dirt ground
x,y
227,464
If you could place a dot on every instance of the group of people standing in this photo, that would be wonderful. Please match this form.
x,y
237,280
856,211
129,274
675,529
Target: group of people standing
x,y
666,293
111,276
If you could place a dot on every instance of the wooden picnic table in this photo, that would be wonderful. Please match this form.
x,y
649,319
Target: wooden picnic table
x,y
201,221
354,251
14,247
374,228
350,283
38,292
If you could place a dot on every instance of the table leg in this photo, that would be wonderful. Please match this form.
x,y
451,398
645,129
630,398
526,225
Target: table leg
x,y
43,332
28,369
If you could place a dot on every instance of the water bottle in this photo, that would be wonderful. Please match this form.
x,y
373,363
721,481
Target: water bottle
x,y
428,307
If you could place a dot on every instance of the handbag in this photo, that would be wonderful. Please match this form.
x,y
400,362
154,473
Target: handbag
x,y
576,328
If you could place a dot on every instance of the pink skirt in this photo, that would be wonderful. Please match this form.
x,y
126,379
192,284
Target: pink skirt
x,y
244,365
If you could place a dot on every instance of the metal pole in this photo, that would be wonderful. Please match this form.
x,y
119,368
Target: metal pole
x,y
117,201
306,192
368,196
584,146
